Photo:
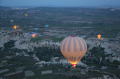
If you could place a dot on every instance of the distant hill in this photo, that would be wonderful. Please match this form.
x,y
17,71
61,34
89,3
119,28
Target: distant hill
x,y
2,7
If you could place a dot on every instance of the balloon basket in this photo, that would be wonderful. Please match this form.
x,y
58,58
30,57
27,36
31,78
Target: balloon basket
x,y
73,66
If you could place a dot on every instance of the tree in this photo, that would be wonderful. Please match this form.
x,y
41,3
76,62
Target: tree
x,y
97,56
10,44
46,53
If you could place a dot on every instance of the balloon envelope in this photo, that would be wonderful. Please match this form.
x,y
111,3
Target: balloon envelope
x,y
99,36
34,35
15,27
73,49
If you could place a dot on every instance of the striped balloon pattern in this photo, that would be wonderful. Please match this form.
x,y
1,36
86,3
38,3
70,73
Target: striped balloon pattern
x,y
73,49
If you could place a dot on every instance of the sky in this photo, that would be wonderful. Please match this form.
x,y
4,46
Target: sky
x,y
62,3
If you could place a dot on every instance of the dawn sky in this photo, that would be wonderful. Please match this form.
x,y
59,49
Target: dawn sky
x,y
52,3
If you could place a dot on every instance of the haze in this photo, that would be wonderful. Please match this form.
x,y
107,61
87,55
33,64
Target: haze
x,y
62,3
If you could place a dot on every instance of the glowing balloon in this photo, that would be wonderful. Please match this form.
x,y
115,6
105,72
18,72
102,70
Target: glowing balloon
x,y
34,35
99,36
73,49
15,27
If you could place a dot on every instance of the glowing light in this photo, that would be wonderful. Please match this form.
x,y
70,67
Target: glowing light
x,y
15,27
99,36
34,35
73,65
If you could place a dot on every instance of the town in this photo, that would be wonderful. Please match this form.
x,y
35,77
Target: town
x,y
30,41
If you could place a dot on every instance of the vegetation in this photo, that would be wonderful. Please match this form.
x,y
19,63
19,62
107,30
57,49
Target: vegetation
x,y
46,53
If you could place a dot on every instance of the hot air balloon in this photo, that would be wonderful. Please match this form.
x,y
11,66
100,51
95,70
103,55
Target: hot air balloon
x,y
34,35
73,49
99,36
15,27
